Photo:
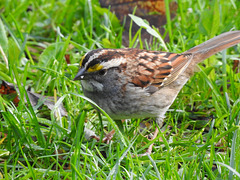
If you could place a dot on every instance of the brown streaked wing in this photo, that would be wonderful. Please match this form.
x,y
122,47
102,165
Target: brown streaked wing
x,y
161,71
179,63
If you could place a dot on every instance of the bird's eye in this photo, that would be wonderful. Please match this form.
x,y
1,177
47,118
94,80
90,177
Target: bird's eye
x,y
102,72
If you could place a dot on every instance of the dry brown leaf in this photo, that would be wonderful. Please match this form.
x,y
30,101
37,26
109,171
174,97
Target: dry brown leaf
x,y
151,10
7,89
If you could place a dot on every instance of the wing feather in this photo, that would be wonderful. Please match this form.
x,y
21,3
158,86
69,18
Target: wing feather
x,y
158,69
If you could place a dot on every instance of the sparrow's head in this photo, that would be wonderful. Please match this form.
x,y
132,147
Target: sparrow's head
x,y
98,62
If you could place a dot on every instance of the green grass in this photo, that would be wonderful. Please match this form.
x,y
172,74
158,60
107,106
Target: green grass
x,y
200,137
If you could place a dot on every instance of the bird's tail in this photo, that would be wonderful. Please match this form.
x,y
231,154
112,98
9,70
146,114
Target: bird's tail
x,y
214,45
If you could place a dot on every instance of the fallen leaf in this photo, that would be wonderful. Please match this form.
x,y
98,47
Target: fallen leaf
x,y
8,90
236,65
152,10
47,101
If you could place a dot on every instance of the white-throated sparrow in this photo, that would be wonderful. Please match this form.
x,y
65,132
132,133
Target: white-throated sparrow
x,y
134,83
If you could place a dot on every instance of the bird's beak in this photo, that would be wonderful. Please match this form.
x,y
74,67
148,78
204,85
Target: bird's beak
x,y
80,74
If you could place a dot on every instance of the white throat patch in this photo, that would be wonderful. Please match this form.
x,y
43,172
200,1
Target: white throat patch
x,y
91,85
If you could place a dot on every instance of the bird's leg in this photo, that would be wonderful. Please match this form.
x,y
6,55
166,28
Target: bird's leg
x,y
108,137
159,121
